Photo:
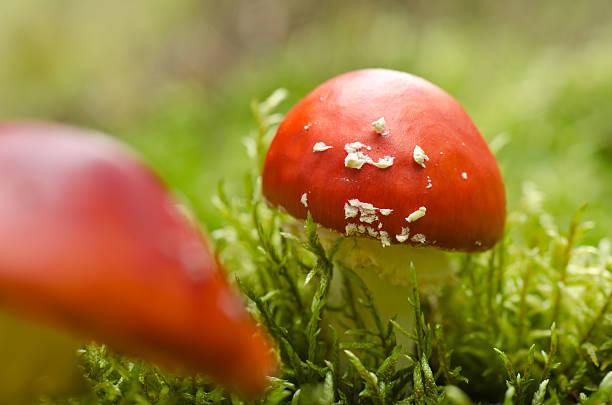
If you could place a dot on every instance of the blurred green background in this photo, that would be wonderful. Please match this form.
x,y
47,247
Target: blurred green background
x,y
175,79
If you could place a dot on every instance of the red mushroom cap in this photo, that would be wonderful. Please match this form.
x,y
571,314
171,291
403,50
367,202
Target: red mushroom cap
x,y
92,241
460,185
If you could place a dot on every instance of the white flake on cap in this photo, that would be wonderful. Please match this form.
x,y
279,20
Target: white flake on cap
x,y
464,175
367,214
478,243
350,229
379,125
420,213
355,158
403,237
366,211
419,237
355,146
428,182
384,239
320,147
383,162
419,156
350,211
356,230
304,200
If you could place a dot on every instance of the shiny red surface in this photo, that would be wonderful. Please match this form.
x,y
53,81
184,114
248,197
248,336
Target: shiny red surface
x,y
462,214
91,240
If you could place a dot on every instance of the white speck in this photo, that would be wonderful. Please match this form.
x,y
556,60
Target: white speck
x,y
416,214
355,158
379,225
428,182
419,156
441,153
320,147
304,200
384,239
419,237
403,237
350,229
368,214
464,175
367,211
384,162
361,228
355,146
478,243
350,211
379,125
462,143
372,232
386,211
363,205
307,127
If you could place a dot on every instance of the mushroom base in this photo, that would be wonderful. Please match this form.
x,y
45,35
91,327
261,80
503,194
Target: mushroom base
x,y
386,272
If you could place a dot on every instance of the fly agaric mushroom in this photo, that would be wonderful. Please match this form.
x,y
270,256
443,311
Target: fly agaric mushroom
x,y
429,180
91,240
404,164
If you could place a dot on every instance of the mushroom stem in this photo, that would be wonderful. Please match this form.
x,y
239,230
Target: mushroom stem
x,y
386,273
391,264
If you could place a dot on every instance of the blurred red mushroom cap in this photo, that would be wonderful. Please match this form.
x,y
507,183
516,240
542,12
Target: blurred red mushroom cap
x,y
91,240
384,154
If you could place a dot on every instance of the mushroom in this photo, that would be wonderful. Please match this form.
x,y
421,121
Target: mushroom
x,y
443,189
91,240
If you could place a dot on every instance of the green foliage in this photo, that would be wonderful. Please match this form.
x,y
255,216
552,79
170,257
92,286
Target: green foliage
x,y
542,303
528,322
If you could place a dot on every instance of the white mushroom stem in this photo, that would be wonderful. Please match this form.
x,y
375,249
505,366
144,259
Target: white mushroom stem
x,y
386,272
